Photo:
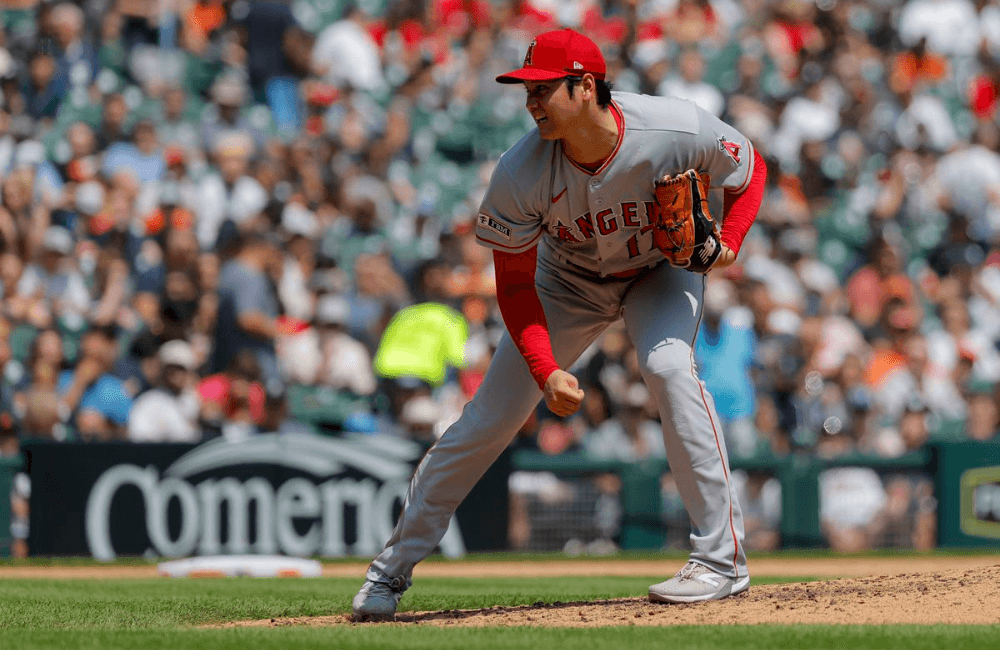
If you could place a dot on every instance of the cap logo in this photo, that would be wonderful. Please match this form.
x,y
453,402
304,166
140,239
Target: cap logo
x,y
527,57
577,65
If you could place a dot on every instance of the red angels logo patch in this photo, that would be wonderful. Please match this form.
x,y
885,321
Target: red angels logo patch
x,y
731,148
527,57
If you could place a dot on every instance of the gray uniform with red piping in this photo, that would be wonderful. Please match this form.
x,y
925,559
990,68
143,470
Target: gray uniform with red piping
x,y
596,264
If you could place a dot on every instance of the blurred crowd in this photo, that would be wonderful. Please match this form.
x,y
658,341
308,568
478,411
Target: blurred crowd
x,y
224,217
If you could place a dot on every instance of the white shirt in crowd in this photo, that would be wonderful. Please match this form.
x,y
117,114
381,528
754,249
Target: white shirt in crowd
x,y
347,364
347,54
159,416
951,27
216,203
702,93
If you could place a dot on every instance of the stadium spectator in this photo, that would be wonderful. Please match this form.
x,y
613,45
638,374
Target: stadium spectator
x,y
43,91
631,435
53,282
114,116
345,362
142,157
77,65
227,201
983,424
349,39
852,501
169,412
92,401
233,402
690,84
760,501
725,352
248,307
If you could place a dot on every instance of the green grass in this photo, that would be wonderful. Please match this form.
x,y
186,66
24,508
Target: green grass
x,y
803,637
163,613
157,602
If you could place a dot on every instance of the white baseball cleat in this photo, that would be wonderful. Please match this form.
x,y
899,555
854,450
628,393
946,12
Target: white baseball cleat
x,y
377,601
696,583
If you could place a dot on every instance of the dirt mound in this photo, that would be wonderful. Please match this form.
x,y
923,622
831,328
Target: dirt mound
x,y
962,596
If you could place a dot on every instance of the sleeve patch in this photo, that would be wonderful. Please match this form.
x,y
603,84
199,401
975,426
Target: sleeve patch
x,y
486,221
731,148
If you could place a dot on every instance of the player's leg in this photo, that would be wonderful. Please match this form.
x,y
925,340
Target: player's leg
x,y
465,451
446,474
662,315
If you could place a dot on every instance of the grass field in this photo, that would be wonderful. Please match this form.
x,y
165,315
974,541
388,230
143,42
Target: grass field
x,y
166,613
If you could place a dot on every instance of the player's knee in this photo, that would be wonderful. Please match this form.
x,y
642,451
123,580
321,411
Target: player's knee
x,y
669,359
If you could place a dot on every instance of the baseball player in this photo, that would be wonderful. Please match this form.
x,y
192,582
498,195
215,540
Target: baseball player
x,y
575,216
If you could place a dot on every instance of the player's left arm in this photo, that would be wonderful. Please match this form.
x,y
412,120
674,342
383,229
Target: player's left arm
x,y
739,211
735,166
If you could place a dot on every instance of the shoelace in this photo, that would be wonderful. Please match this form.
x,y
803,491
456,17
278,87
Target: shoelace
x,y
380,589
691,571
384,589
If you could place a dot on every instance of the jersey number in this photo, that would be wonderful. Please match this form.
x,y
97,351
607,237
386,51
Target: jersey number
x,y
633,242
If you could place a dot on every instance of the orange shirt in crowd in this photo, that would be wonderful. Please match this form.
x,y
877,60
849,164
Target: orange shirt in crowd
x,y
205,17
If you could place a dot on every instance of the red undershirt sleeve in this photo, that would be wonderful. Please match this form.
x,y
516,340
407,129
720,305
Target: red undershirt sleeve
x,y
740,210
522,311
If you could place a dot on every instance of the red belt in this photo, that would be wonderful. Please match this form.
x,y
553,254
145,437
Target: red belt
x,y
632,273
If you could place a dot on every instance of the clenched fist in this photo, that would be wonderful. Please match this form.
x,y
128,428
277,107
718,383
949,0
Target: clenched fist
x,y
562,393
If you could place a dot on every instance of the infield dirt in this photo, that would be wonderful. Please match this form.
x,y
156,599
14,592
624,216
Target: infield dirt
x,y
946,596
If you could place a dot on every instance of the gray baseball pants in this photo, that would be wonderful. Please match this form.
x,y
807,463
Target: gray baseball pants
x,y
662,311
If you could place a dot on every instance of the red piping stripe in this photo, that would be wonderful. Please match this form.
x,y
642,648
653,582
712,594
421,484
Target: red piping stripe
x,y
718,447
618,145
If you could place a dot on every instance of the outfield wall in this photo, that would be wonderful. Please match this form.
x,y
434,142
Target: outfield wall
x,y
318,495
290,494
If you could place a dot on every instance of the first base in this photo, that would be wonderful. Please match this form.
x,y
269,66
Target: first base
x,y
254,566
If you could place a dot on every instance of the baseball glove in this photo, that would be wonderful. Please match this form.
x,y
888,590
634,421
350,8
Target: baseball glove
x,y
683,228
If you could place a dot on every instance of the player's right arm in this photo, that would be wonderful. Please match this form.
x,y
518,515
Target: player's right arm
x,y
510,223
525,319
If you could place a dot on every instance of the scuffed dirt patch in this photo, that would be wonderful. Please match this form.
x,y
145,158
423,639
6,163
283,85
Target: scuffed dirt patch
x,y
958,596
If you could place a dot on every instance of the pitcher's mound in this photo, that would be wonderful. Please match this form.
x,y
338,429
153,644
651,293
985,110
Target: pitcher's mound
x,y
964,596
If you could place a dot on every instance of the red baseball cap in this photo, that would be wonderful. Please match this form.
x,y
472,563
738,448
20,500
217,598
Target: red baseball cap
x,y
557,54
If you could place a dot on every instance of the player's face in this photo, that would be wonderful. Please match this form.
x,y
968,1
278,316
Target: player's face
x,y
550,106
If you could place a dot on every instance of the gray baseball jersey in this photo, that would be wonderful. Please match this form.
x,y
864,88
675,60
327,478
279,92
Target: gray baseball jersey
x,y
600,220
590,228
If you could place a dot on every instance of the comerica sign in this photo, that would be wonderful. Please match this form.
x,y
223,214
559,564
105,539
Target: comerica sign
x,y
291,494
317,503
201,512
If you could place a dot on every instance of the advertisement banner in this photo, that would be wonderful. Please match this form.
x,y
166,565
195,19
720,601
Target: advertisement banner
x,y
968,476
291,494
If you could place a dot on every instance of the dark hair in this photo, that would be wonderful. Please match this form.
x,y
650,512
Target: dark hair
x,y
603,89
107,332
